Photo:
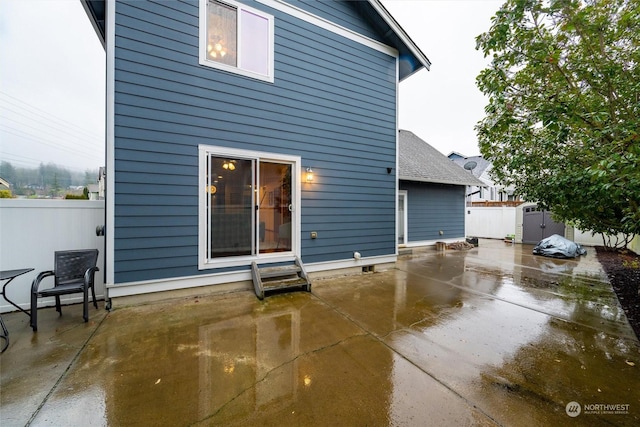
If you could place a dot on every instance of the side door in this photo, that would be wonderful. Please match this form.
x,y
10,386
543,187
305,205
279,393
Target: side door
x,y
532,220
550,226
538,224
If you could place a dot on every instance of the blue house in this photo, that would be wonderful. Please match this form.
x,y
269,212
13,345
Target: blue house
x,y
432,194
243,132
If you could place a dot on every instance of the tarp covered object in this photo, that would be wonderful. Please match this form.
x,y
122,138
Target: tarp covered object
x,y
558,247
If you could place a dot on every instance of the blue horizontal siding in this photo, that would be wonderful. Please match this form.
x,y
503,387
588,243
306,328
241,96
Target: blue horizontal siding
x,y
333,102
238,116
296,82
149,231
432,208
163,222
344,14
330,148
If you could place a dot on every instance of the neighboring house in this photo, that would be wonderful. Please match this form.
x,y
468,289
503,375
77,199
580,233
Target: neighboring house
x,y
242,131
93,191
4,184
431,201
102,182
97,191
481,168
5,189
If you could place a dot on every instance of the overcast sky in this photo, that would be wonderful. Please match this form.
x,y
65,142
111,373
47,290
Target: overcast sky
x,y
443,105
52,79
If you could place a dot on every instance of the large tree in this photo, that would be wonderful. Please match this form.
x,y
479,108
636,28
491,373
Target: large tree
x,y
563,120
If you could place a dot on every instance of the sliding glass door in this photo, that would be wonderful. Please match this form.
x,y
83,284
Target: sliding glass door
x,y
249,206
230,207
274,209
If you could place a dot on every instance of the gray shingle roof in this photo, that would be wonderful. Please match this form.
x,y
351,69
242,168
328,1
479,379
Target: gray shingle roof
x,y
421,162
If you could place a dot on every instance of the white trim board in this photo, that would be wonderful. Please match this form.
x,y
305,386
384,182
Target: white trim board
x,y
329,26
173,284
433,242
109,251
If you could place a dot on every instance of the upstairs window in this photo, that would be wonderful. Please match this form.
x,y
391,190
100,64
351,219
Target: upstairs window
x,y
236,38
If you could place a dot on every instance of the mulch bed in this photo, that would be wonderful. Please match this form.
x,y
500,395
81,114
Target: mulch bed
x,y
623,270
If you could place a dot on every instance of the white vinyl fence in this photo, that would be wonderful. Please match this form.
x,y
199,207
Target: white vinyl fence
x,y
499,222
585,238
32,230
491,222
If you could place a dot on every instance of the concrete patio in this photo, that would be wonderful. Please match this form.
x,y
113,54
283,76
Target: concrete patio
x,y
490,336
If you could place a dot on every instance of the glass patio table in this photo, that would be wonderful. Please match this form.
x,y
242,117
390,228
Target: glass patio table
x,y
9,275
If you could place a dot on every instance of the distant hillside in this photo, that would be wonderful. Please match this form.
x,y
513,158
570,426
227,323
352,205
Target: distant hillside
x,y
46,180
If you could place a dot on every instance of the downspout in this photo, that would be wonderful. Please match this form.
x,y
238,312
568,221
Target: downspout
x,y
109,210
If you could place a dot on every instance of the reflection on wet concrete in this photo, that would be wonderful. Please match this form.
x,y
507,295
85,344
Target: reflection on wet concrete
x,y
289,360
33,363
570,340
521,336
492,336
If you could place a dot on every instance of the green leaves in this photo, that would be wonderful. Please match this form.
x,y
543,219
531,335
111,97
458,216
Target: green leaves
x,y
564,107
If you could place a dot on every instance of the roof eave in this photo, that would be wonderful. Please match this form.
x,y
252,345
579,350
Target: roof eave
x,y
404,37
95,10
436,181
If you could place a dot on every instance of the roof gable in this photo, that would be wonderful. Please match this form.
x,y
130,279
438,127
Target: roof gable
x,y
411,58
419,161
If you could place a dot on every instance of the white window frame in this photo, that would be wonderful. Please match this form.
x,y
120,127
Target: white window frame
x,y
204,262
269,77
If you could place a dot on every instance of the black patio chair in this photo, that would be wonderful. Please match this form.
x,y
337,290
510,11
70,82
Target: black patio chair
x,y
73,273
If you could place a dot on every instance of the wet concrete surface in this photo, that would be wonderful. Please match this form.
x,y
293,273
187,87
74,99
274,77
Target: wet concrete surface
x,y
490,336
34,363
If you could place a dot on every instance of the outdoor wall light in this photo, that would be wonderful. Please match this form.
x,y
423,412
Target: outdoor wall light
x,y
309,176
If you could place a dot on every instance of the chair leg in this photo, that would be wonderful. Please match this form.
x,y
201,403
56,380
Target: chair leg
x,y
5,335
33,313
58,306
93,294
85,305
